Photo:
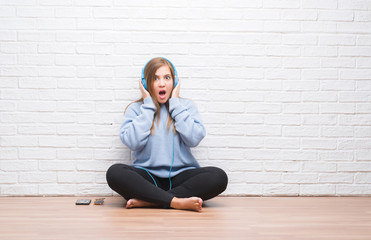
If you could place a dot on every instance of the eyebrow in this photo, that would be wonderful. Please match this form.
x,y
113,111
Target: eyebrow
x,y
164,75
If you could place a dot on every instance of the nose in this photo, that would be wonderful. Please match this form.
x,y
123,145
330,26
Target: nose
x,y
162,82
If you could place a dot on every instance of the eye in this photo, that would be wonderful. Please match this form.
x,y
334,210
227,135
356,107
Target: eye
x,y
156,78
168,77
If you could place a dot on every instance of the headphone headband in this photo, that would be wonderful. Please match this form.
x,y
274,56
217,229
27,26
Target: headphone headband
x,y
144,82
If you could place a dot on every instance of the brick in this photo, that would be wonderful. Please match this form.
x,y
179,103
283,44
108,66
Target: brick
x,y
66,60
7,106
317,190
57,165
57,141
69,178
281,189
37,153
302,131
299,178
95,166
354,51
337,108
31,177
352,189
45,60
94,142
363,108
74,36
261,154
320,51
18,24
338,85
303,108
19,190
324,15
297,155
354,120
94,48
354,167
263,130
283,120
73,12
231,107
282,143
226,154
301,85
8,60
354,97
74,154
337,131
336,156
8,177
262,85
36,83
318,4
300,39
8,130
354,5
8,35
318,144
42,106
52,189
18,165
19,141
74,106
262,178
283,74
289,166
362,16
336,178
355,74
364,63
262,108
363,40
322,96
362,132
362,178
35,12
319,167
75,129
249,189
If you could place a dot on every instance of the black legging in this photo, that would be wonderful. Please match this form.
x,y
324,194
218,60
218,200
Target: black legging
x,y
131,182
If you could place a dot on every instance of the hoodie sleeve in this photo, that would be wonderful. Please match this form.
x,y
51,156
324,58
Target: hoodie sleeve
x,y
188,121
136,127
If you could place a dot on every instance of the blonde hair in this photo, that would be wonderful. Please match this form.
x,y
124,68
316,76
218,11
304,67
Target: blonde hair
x,y
149,74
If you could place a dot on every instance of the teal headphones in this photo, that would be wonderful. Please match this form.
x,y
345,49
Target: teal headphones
x,y
144,82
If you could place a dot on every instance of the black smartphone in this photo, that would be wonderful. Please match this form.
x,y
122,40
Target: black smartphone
x,y
83,202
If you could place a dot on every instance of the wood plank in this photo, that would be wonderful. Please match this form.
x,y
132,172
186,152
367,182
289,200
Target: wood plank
x,y
222,218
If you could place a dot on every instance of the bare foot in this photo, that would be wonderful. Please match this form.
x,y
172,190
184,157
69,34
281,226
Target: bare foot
x,y
136,203
192,203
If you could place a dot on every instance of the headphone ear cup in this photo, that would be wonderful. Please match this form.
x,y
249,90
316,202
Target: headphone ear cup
x,y
144,83
143,79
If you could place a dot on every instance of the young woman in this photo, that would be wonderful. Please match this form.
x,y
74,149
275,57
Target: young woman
x,y
160,128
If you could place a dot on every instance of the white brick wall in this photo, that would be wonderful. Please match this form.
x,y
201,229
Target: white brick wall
x,y
284,88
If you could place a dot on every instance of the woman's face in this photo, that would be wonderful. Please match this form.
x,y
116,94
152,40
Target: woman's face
x,y
163,84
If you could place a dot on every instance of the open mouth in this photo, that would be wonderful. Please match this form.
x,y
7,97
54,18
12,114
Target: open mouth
x,y
162,94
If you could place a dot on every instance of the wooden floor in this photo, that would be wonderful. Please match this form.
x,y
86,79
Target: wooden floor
x,y
222,218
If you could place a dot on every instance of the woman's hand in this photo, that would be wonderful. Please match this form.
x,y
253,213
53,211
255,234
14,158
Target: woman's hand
x,y
176,91
144,92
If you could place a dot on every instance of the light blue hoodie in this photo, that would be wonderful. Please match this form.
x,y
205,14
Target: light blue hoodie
x,y
155,152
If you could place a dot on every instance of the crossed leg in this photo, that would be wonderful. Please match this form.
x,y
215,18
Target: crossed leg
x,y
191,187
